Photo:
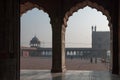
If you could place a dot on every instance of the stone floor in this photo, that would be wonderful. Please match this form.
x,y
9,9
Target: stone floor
x,y
45,63
68,75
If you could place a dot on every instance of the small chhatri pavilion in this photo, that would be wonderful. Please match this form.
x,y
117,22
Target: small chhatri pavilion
x,y
35,42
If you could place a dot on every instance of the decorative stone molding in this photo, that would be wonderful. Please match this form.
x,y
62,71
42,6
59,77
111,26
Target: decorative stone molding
x,y
24,7
83,4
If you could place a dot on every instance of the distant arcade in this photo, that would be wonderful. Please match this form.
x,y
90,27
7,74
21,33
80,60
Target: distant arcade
x,y
100,47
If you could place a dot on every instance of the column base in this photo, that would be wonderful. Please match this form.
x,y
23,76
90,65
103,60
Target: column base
x,y
56,70
115,72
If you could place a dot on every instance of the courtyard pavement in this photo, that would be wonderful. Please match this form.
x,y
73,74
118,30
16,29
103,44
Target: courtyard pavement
x,y
68,75
42,63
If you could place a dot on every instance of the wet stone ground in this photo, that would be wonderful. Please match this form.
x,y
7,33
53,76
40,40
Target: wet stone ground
x,y
68,75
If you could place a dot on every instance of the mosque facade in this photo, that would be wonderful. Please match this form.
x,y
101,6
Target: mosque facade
x,y
100,46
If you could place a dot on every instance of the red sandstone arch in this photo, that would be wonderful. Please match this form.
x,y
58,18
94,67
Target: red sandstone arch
x,y
93,5
83,4
24,7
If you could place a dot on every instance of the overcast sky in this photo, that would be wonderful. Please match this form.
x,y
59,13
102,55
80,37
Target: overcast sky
x,y
78,31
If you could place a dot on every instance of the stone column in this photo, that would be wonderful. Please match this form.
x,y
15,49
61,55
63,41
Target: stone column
x,y
115,54
119,35
111,48
9,40
115,46
58,45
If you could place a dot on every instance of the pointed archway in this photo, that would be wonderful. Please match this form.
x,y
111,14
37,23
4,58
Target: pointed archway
x,y
79,25
112,25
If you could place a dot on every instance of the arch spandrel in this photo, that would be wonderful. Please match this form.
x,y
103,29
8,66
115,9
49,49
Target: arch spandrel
x,y
24,7
67,8
81,5
47,6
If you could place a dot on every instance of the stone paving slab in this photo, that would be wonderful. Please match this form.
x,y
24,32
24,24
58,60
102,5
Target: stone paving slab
x,y
68,75
42,63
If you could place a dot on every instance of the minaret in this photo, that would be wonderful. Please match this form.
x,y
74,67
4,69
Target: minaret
x,y
92,28
95,28
93,34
